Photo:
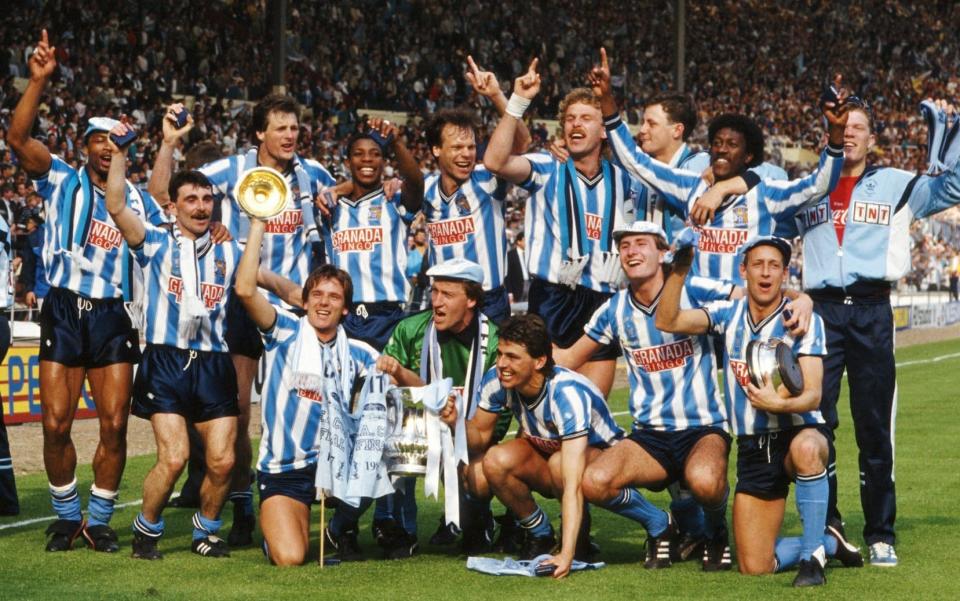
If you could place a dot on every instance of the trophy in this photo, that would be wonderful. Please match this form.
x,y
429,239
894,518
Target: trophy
x,y
406,445
773,359
262,192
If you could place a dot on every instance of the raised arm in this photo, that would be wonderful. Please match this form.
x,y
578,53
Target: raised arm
x,y
675,185
485,83
288,290
480,432
499,157
258,307
163,164
577,354
129,223
670,318
32,154
412,190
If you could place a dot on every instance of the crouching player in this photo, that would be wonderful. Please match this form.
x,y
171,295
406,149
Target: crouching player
x,y
779,435
186,372
678,428
290,416
564,422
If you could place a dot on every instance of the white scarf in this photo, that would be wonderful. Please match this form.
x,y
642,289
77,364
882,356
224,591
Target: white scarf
x,y
315,367
192,308
442,446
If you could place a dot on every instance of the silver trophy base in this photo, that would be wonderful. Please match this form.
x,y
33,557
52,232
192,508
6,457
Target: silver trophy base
x,y
411,470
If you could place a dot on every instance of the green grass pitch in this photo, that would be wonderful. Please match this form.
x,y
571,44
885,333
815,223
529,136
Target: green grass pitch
x,y
928,486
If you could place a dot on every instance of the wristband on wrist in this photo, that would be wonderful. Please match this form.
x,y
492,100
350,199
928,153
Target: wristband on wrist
x,y
517,105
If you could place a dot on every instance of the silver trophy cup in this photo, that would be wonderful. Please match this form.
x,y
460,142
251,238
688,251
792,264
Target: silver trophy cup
x,y
773,359
406,444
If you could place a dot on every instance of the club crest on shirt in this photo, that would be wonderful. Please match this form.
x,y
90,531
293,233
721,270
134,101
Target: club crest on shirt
x,y
375,212
871,212
869,187
451,231
220,267
663,356
463,204
740,216
104,236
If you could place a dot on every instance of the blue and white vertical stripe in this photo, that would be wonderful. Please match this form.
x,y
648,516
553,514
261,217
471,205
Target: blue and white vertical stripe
x,y
469,223
543,224
731,320
368,239
102,273
569,406
672,376
739,218
159,257
288,236
290,417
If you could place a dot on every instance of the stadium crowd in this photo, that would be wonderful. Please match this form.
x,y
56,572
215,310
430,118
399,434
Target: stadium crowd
x,y
345,57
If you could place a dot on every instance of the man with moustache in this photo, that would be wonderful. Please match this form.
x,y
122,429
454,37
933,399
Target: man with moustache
x,y
186,373
85,328
287,250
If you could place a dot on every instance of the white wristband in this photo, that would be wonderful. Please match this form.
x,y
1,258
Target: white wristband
x,y
517,105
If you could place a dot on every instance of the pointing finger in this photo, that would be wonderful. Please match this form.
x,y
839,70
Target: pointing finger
x,y
603,59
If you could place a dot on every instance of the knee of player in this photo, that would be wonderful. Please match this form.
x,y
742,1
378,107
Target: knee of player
x,y
809,453
56,428
113,430
709,489
597,485
497,462
288,555
174,459
220,462
755,566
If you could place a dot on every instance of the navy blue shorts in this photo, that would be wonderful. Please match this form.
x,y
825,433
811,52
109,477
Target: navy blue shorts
x,y
496,305
566,312
80,332
761,470
198,385
241,334
373,322
296,484
671,449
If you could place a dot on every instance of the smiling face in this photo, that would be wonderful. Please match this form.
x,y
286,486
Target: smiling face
x,y
326,305
858,139
452,309
98,152
640,256
279,139
515,366
457,153
194,207
583,130
659,137
728,153
366,163
764,272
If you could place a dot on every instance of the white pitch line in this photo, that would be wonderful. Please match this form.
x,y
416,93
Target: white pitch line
x,y
50,518
511,433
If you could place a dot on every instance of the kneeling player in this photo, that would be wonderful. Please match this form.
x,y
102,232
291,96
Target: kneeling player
x,y
779,436
678,426
186,372
564,421
290,416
